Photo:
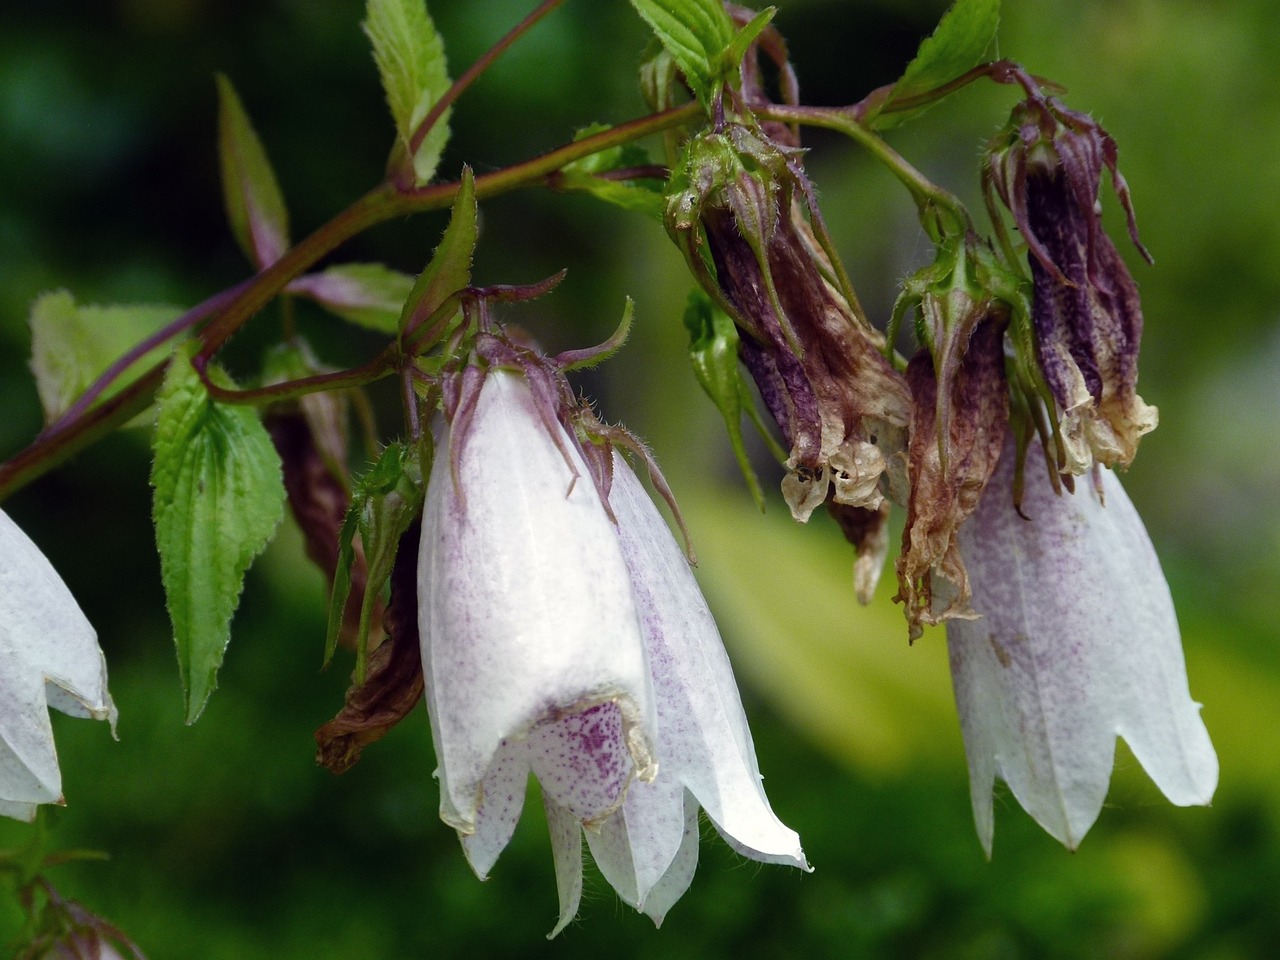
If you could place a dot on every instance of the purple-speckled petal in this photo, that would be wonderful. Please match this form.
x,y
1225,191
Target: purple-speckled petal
x,y
703,740
581,761
501,802
566,850
1078,644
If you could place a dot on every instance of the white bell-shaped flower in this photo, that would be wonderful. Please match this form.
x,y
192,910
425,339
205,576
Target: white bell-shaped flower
x,y
558,643
1077,643
531,644
49,657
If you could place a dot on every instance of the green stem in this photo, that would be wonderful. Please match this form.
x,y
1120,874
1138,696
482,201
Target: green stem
x,y
54,446
473,72
941,212
383,203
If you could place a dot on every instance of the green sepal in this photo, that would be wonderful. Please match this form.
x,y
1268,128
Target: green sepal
x,y
957,44
449,270
642,196
219,497
255,205
383,505
370,295
73,344
696,33
415,75
713,351
748,35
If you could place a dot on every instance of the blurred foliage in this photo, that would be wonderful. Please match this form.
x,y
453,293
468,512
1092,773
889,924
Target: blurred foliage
x,y
227,841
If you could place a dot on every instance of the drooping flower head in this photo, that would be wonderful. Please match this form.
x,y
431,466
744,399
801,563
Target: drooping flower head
x,y
1077,644
562,635
744,213
49,657
1046,168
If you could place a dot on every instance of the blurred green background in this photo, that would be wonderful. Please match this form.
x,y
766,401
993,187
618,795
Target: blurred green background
x,y
227,841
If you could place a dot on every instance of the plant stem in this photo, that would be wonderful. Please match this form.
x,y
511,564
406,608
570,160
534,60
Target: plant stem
x,y
459,86
239,304
934,202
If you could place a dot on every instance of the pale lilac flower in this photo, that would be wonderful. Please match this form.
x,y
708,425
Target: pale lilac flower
x,y
1077,643
49,657
551,645
649,849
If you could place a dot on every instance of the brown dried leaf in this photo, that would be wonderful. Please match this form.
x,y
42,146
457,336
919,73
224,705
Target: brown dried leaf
x,y
394,685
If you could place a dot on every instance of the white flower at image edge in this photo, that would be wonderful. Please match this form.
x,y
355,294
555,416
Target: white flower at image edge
x,y
1077,643
557,643
49,657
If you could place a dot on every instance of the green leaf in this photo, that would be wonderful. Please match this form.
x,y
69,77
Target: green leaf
x,y
219,497
415,75
696,33
450,267
748,35
72,345
367,294
255,205
956,45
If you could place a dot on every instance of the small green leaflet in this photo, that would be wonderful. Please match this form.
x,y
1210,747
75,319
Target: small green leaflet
x,y
450,267
643,196
369,295
383,505
956,45
415,75
72,344
219,497
696,33
255,205
713,352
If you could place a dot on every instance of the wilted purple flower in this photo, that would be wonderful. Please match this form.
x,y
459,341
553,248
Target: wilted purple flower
x,y
556,643
49,657
1077,643
1047,169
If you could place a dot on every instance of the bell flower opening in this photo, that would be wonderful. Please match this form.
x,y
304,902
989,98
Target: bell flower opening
x,y
1077,643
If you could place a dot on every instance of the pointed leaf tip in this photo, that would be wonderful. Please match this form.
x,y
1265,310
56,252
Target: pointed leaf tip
x,y
957,44
415,75
219,497
696,33
255,205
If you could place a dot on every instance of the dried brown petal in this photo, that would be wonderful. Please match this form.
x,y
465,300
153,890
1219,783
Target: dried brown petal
x,y
932,583
841,406
868,531
393,686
